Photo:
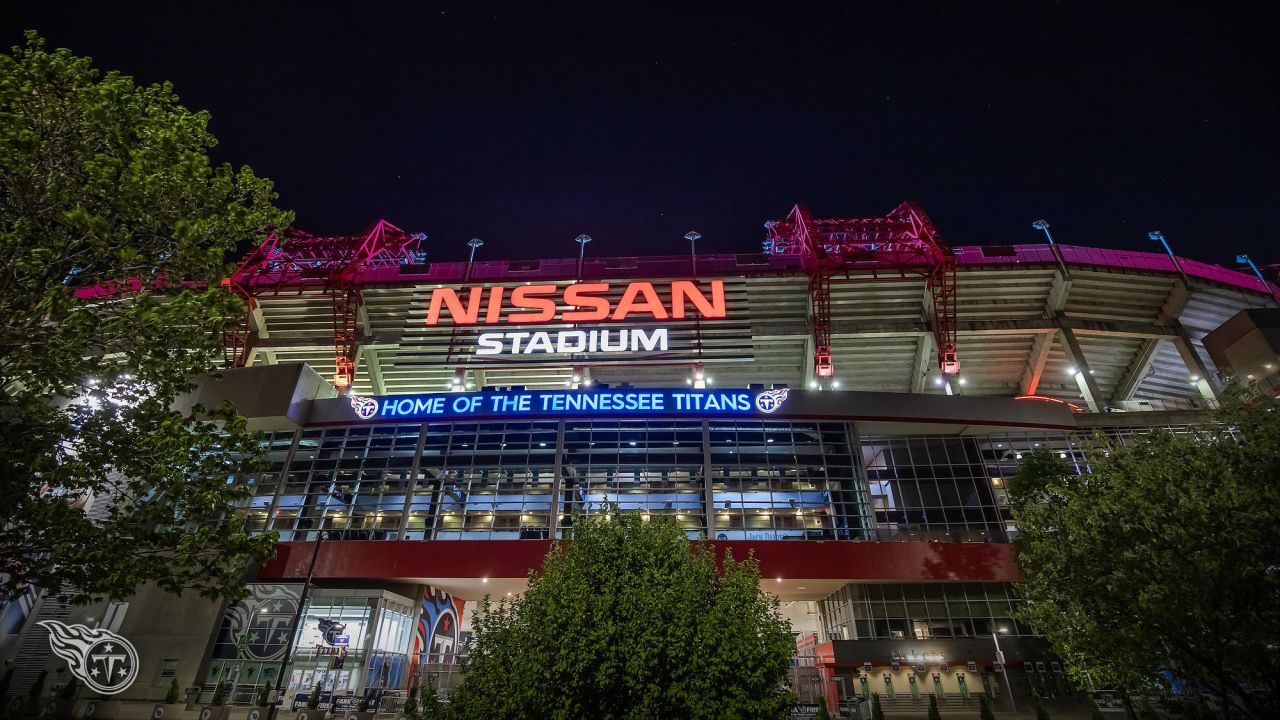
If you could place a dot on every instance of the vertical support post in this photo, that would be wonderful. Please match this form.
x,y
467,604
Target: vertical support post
x,y
1200,377
708,494
1084,376
411,487
554,508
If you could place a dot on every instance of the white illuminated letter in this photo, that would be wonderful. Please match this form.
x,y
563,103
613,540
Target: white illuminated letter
x,y
490,344
656,341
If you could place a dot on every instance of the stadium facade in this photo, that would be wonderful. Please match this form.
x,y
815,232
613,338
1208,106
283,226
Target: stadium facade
x,y
490,401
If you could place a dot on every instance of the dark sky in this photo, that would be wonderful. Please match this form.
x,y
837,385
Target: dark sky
x,y
636,123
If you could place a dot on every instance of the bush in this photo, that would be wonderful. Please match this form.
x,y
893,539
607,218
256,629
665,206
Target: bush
x,y
984,708
933,708
174,692
877,712
822,710
219,693
313,701
1041,712
411,700
264,695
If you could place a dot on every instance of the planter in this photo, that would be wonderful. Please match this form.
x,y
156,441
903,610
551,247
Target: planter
x,y
360,715
167,711
215,712
317,714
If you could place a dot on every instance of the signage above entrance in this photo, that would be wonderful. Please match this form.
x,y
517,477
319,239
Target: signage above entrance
x,y
558,403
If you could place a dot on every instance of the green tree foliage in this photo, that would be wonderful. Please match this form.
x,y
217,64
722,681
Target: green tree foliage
x,y
174,692
1164,556
629,620
823,713
313,700
107,184
1095,712
411,700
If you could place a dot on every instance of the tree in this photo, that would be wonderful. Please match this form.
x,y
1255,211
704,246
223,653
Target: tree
x,y
115,229
629,620
1163,556
877,710
934,714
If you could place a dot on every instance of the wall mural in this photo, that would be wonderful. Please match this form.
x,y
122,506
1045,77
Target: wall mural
x,y
439,631
258,626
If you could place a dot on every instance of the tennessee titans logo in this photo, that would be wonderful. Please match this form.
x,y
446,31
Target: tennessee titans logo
x,y
364,407
769,401
102,659
331,629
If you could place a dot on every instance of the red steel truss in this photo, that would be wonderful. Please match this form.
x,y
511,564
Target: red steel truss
x,y
335,263
903,243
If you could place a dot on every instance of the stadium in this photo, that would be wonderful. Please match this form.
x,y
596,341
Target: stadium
x,y
846,403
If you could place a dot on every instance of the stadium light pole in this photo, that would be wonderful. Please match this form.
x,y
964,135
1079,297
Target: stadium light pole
x,y
1157,236
1043,226
692,236
582,241
321,536
1246,260
473,243
1013,706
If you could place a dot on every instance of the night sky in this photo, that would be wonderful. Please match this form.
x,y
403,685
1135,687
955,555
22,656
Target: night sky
x,y
636,123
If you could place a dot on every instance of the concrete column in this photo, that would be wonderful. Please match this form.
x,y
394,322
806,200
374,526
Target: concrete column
x,y
1084,376
556,483
1201,379
708,495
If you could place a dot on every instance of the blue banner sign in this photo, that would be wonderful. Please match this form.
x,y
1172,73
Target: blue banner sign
x,y
534,403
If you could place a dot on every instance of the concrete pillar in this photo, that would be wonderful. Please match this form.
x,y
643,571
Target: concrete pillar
x,y
1084,376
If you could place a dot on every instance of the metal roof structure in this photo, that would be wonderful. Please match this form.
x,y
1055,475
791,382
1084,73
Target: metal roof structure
x,y
1104,327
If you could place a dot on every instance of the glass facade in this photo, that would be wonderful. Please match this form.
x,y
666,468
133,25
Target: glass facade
x,y
729,480
920,611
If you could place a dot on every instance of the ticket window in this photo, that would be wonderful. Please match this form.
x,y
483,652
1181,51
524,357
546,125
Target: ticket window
x,y
888,686
915,687
937,685
963,685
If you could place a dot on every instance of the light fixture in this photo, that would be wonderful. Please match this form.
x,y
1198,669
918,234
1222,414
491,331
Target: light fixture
x,y
961,381
938,382
835,384
813,384
484,580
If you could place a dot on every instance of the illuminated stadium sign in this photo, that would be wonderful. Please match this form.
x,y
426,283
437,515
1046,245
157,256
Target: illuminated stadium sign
x,y
639,301
627,401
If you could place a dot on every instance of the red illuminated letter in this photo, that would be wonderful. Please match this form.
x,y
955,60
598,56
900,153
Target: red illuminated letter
x,y
528,297
448,297
682,290
576,296
652,304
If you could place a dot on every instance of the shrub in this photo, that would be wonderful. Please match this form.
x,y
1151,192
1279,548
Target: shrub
x,y
313,701
1095,712
174,692
822,710
934,714
877,712
264,696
